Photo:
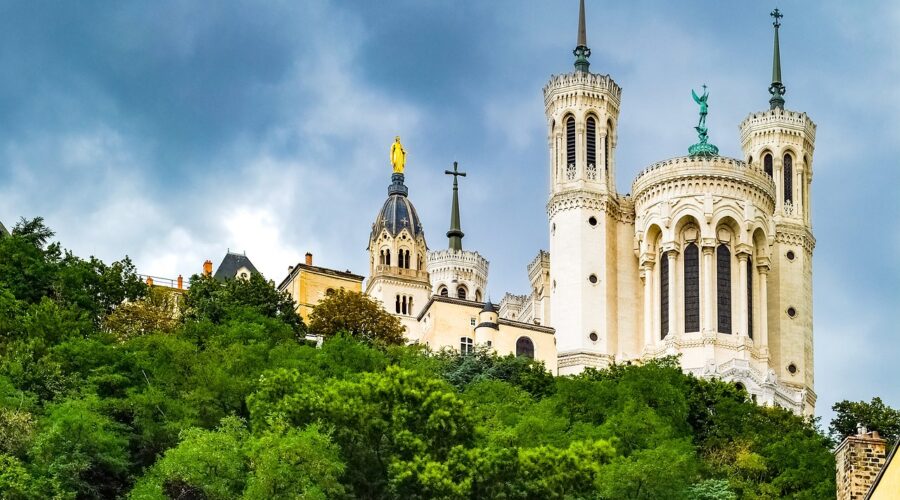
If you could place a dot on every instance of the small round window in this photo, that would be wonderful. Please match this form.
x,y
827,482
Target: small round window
x,y
592,221
790,255
593,336
792,312
792,368
593,279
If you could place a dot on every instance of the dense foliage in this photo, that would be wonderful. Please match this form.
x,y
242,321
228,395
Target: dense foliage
x,y
103,400
874,416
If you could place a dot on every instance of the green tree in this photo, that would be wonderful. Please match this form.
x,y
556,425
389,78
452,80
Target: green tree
x,y
80,451
159,311
355,314
874,416
217,301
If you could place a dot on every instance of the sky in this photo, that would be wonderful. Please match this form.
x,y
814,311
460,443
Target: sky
x,y
173,131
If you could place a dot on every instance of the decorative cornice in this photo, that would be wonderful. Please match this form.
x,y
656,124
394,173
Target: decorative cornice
x,y
592,200
792,234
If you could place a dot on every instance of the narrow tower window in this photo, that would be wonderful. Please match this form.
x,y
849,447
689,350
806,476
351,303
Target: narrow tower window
x,y
570,148
400,259
788,179
691,288
723,288
443,291
525,347
750,297
767,164
663,295
609,128
461,292
387,257
591,131
397,305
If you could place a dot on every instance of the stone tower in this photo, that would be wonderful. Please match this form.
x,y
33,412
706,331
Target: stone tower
x,y
781,143
455,272
397,251
582,110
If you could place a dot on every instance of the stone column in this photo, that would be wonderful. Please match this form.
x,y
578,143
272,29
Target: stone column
x,y
778,176
673,292
602,171
763,300
742,305
799,188
647,272
707,287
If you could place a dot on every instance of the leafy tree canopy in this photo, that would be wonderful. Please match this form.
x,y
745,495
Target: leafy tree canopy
x,y
357,315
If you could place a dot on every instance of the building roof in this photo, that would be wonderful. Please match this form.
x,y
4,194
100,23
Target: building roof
x,y
231,264
397,213
477,306
319,270
882,472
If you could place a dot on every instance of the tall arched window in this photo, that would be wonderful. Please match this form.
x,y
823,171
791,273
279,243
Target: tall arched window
x,y
663,295
443,291
609,129
750,297
723,288
591,131
400,259
381,258
477,295
788,178
525,347
397,305
691,288
407,259
767,164
570,140
461,292
403,305
387,257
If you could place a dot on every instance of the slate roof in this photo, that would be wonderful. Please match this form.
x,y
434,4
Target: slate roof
x,y
397,214
231,264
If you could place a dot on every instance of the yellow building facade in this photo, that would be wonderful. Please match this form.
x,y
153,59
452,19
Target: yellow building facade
x,y
308,284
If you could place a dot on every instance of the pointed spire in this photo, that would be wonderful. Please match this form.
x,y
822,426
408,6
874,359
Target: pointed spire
x,y
777,89
455,233
582,52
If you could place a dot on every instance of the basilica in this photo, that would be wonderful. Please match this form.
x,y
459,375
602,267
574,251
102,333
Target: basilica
x,y
709,258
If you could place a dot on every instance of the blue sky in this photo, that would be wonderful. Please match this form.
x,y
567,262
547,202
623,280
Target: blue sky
x,y
171,131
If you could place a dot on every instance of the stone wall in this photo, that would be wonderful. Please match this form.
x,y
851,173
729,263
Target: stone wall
x,y
858,460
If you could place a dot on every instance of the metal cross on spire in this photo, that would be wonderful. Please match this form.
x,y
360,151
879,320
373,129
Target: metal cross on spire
x,y
777,89
455,233
581,52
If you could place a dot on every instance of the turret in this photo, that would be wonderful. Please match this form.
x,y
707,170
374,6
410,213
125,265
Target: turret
x,y
780,142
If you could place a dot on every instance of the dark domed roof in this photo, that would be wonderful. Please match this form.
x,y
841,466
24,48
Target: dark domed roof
x,y
398,213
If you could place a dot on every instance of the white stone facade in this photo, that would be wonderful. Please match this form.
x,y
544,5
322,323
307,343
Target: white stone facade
x,y
709,258
458,273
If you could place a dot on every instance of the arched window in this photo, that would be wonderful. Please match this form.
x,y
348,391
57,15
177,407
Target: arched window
x,y
591,131
387,257
570,140
442,291
525,347
723,288
400,259
691,288
409,306
663,295
407,259
461,292
609,128
767,164
750,297
788,178
466,345
403,305
477,295
397,305
381,258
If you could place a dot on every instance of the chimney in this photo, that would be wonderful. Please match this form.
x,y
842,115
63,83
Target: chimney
x,y
180,282
308,259
858,458
207,268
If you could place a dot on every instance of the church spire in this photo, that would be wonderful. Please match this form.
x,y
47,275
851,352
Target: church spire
x,y
455,233
581,52
777,89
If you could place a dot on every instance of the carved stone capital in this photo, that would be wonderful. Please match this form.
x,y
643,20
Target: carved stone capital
x,y
743,251
670,247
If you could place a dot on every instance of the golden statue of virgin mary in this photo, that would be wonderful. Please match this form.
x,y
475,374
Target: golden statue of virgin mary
x,y
398,156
